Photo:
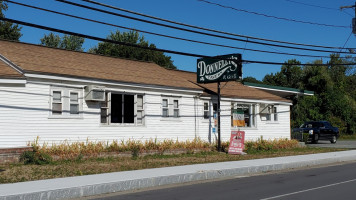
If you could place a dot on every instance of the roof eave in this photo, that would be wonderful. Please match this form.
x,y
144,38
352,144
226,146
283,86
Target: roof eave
x,y
50,76
285,90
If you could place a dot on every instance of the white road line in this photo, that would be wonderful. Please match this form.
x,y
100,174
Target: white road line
x,y
311,189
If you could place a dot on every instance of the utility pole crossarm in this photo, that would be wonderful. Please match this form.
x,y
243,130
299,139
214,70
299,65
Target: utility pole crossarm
x,y
343,7
354,19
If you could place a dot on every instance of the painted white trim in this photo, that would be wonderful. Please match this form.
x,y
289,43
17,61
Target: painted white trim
x,y
277,90
136,85
11,64
257,101
13,81
249,100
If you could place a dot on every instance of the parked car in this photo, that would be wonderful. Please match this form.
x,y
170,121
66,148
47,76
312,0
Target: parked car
x,y
318,130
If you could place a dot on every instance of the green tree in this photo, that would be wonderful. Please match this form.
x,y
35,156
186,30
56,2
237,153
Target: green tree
x,y
334,91
289,76
68,42
8,30
51,40
251,79
132,37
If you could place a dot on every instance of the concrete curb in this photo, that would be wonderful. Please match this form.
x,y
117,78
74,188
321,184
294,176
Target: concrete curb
x,y
74,187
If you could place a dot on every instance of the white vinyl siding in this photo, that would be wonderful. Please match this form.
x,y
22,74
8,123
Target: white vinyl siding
x,y
36,122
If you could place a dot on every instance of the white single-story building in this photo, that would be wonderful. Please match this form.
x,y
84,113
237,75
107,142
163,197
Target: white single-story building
x,y
60,95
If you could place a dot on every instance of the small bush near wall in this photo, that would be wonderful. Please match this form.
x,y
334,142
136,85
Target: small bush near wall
x,y
35,157
302,137
267,145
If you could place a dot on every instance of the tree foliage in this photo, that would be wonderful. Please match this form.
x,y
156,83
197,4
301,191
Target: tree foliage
x,y
8,30
132,37
68,42
334,91
251,79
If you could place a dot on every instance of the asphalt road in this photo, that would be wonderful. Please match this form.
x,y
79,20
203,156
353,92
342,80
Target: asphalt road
x,y
347,144
332,182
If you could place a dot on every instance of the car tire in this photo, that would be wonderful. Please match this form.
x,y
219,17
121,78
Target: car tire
x,y
333,139
316,138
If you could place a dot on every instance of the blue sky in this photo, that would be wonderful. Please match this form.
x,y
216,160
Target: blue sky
x,y
206,15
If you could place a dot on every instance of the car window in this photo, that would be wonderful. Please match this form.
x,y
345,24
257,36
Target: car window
x,y
310,125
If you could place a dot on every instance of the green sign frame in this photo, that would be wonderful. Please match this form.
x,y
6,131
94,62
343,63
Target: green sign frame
x,y
219,69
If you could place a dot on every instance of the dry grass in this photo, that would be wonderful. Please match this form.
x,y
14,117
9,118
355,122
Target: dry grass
x,y
72,150
10,173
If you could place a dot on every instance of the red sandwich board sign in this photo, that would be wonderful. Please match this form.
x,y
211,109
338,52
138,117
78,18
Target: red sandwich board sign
x,y
237,142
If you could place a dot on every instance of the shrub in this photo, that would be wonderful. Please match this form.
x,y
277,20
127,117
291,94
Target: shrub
x,y
267,145
35,157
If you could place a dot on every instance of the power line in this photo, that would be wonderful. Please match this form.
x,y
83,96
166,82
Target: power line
x,y
148,48
271,16
347,40
167,36
317,6
206,29
194,31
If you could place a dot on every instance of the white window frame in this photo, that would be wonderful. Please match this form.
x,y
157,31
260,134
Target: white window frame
x,y
171,107
176,109
66,102
251,114
206,110
140,110
105,107
56,102
271,115
74,103
165,107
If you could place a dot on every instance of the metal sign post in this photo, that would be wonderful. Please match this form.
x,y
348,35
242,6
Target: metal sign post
x,y
219,132
219,69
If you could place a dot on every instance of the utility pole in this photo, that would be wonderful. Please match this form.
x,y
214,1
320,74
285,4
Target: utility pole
x,y
353,19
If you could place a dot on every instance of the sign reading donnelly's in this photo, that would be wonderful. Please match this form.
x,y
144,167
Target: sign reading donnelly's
x,y
220,69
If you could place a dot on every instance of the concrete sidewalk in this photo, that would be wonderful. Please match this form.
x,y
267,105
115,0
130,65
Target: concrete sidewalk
x,y
73,187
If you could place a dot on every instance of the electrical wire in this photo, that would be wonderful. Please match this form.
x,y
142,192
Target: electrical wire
x,y
271,16
149,48
206,29
317,6
347,40
194,31
162,35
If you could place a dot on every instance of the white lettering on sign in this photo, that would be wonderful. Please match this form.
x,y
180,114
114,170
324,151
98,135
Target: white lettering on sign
x,y
215,70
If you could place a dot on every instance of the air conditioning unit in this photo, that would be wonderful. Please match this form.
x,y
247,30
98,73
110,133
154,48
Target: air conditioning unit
x,y
94,93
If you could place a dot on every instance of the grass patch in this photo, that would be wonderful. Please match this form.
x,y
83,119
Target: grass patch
x,y
347,137
78,167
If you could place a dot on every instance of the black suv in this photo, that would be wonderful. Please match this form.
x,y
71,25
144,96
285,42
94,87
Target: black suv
x,y
319,130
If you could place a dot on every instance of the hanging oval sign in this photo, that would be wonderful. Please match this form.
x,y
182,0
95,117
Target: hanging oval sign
x,y
220,69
